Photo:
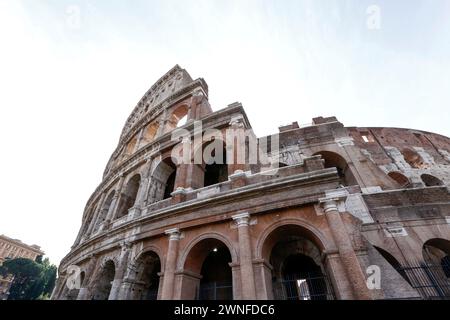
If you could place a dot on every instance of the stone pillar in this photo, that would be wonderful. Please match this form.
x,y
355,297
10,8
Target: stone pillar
x,y
96,214
171,264
116,200
236,148
120,271
138,140
245,256
145,185
347,254
84,292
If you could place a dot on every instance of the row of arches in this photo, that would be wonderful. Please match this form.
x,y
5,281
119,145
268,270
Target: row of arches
x,y
213,169
427,179
163,180
298,271
177,118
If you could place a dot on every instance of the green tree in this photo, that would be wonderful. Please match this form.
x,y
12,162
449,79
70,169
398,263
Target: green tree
x,y
32,279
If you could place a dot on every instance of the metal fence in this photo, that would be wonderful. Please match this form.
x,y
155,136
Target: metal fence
x,y
430,280
303,287
215,291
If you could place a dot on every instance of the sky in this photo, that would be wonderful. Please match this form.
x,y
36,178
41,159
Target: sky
x,y
72,71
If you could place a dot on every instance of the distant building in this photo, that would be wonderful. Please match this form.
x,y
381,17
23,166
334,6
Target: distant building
x,y
10,249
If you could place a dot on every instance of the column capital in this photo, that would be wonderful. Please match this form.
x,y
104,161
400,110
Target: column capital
x,y
242,219
329,204
174,234
333,200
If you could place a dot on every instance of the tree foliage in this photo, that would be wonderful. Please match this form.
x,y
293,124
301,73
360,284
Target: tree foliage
x,y
32,279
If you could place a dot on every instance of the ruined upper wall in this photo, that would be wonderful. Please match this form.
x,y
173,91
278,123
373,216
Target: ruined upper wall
x,y
379,141
174,96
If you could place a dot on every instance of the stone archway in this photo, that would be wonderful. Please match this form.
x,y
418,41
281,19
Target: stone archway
x,y
297,268
334,160
103,284
430,180
413,158
400,178
128,198
146,269
162,180
435,269
104,210
207,273
210,164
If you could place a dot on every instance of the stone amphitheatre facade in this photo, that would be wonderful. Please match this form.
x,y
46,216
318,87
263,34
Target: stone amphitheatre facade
x,y
346,213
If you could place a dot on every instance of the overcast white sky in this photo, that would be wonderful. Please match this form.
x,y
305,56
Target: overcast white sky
x,y
72,71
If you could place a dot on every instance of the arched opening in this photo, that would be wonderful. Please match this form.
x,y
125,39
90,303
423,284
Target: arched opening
x,y
178,117
210,259
436,268
298,272
431,181
131,146
393,262
162,181
334,160
105,209
149,133
147,279
103,285
88,222
211,165
402,180
216,167
434,250
413,158
128,198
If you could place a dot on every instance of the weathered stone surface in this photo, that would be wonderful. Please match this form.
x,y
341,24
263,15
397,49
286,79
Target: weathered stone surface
x,y
337,202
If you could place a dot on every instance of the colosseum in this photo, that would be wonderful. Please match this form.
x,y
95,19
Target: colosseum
x,y
324,212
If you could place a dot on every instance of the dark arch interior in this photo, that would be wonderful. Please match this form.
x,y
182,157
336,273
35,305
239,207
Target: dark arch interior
x,y
216,282
297,269
402,180
431,181
149,265
334,160
303,278
129,196
445,263
170,185
216,172
104,282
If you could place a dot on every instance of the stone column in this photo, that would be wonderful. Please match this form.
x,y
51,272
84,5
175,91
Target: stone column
x,y
116,200
347,254
120,271
138,140
245,256
237,159
96,214
145,185
171,264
